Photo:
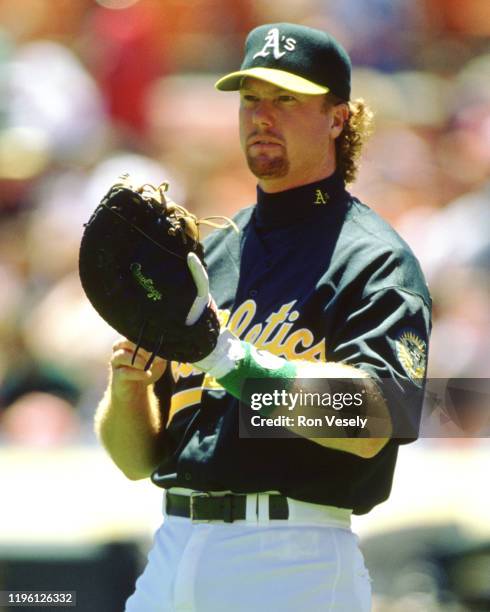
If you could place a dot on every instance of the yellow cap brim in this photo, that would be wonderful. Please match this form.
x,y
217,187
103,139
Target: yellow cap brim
x,y
281,78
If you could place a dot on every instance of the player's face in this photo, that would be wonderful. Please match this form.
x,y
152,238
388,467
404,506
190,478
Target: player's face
x,y
288,138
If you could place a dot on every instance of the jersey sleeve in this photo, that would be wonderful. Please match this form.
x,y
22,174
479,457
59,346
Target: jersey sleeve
x,y
387,334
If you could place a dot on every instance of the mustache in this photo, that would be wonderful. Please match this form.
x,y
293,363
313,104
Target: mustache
x,y
268,136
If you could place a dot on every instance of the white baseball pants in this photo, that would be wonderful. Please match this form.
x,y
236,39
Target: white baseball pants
x,y
269,566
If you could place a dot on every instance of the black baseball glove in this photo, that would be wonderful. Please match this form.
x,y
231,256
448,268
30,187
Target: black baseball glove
x,y
138,260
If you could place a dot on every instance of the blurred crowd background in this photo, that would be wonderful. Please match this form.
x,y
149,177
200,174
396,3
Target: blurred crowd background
x,y
90,89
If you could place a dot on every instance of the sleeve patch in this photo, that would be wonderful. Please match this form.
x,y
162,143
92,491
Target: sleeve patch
x,y
412,354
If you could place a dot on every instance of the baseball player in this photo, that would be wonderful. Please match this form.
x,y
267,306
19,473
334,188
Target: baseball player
x,y
315,284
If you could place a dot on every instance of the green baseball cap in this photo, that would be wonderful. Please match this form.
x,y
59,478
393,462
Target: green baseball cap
x,y
294,57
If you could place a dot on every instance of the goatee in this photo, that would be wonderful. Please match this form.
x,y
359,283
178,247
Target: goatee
x,y
263,167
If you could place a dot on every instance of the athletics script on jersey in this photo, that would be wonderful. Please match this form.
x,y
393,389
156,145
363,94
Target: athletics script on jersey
x,y
275,335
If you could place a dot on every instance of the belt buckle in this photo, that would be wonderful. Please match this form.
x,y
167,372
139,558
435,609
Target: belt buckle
x,y
193,497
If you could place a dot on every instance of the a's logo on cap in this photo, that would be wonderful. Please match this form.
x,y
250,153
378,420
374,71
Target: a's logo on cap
x,y
273,41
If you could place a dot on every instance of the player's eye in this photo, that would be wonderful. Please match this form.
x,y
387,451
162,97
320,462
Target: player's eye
x,y
286,98
249,98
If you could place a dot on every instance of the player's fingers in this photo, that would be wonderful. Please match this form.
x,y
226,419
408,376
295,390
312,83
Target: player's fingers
x,y
125,358
127,345
129,374
123,343
159,364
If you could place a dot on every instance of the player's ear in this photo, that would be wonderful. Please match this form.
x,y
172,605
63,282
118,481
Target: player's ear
x,y
340,114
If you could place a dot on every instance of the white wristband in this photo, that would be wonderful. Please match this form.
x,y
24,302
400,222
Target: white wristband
x,y
223,358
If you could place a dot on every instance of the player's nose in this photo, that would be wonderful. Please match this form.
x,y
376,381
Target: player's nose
x,y
263,115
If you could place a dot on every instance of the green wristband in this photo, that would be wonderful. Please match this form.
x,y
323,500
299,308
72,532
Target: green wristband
x,y
258,365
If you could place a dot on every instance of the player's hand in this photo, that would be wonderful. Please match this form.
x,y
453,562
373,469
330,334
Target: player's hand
x,y
125,375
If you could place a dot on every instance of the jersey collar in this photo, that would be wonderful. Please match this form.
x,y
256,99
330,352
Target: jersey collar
x,y
288,207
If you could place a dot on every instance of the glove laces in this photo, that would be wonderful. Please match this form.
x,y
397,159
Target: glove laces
x,y
158,194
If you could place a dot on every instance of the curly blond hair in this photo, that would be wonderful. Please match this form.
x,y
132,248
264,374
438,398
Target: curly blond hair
x,y
356,131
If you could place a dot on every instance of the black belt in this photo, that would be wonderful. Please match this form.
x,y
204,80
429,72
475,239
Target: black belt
x,y
228,508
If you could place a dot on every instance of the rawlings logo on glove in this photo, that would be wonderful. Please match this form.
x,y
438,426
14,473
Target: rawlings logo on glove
x,y
146,283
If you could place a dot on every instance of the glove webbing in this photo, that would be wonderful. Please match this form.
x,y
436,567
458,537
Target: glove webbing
x,y
204,221
138,229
